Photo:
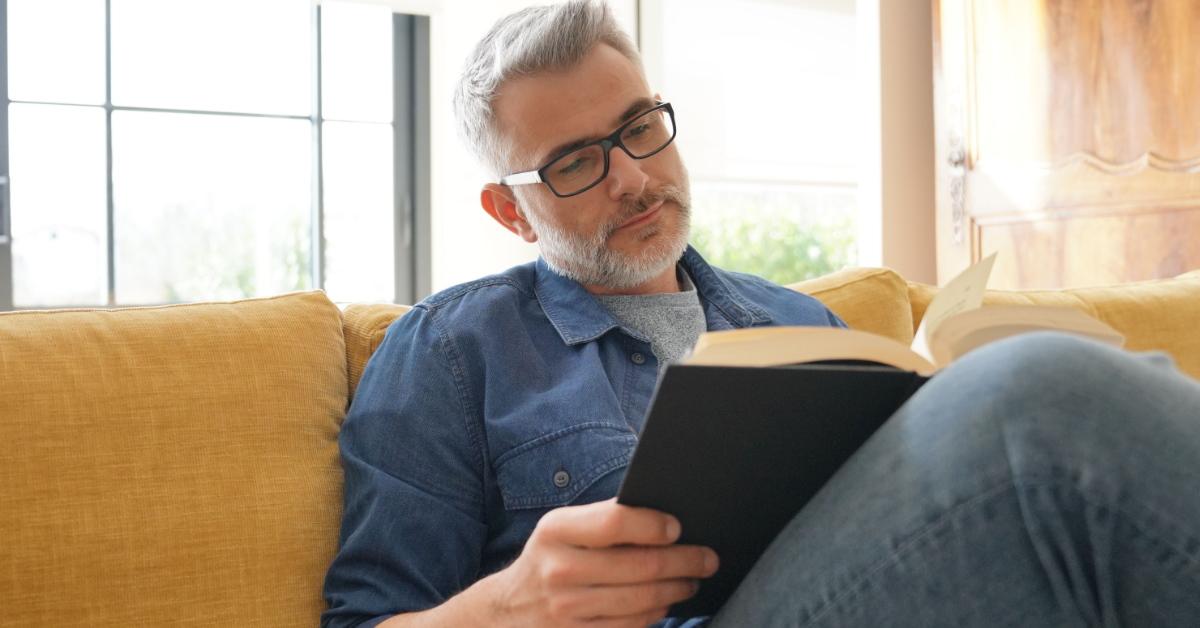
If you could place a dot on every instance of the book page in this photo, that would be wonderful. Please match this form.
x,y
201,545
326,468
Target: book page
x,y
964,292
961,334
777,346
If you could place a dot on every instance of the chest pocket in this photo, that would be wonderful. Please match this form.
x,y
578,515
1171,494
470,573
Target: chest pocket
x,y
554,469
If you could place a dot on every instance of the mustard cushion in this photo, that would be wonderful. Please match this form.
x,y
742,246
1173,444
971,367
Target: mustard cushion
x,y
170,466
364,326
1157,315
868,299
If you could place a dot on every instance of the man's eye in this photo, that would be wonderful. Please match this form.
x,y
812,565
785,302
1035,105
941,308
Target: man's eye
x,y
575,165
639,129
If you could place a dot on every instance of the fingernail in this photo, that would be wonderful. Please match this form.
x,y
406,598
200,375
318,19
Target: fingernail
x,y
673,529
710,561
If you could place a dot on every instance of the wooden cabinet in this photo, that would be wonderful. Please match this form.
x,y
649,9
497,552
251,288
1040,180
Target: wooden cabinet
x,y
1067,139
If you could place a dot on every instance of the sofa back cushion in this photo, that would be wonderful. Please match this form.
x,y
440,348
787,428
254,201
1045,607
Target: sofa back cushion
x,y
871,299
1157,315
365,325
868,299
170,466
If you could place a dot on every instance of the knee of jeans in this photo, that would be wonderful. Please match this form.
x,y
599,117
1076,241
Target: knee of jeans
x,y
1045,366
1046,353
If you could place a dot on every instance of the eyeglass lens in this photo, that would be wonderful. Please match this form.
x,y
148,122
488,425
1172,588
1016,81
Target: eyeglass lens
x,y
577,170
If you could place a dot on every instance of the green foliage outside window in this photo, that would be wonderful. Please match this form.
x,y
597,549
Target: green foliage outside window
x,y
783,252
784,235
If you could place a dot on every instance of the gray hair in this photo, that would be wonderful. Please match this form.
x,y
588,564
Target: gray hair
x,y
530,41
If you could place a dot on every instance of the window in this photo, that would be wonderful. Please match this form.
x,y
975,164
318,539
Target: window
x,y
165,151
764,92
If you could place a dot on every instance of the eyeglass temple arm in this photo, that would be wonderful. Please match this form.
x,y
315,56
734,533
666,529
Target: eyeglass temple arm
x,y
521,178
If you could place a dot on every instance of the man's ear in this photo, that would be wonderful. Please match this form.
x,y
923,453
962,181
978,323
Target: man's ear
x,y
501,204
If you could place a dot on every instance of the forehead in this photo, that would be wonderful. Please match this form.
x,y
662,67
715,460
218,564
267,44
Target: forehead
x,y
539,112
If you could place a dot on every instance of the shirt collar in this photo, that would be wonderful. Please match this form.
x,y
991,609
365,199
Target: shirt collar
x,y
579,317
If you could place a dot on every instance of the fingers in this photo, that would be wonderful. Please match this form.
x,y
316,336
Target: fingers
x,y
625,602
607,523
633,564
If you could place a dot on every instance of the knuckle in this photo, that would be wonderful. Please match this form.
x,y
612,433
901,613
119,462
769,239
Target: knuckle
x,y
559,608
610,523
555,571
643,598
549,521
653,564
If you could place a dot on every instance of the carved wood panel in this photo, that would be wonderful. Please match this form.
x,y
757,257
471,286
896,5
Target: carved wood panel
x,y
1081,126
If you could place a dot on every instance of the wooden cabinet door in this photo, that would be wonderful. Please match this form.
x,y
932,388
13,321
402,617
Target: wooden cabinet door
x,y
1068,139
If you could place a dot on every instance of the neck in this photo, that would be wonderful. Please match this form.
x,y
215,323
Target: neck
x,y
666,281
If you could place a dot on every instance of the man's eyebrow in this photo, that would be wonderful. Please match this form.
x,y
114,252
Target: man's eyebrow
x,y
638,106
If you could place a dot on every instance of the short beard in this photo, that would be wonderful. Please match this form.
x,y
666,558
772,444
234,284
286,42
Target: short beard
x,y
588,259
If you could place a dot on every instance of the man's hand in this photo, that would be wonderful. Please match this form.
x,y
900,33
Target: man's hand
x,y
602,564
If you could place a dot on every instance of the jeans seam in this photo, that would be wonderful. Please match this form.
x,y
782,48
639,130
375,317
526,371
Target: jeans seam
x,y
1133,517
929,528
902,549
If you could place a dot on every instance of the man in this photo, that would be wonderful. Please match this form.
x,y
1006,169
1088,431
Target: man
x,y
490,430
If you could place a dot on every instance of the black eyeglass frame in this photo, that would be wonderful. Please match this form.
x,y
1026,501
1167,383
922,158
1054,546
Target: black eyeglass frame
x,y
607,143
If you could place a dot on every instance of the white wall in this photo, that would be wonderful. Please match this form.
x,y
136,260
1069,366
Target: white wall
x,y
467,243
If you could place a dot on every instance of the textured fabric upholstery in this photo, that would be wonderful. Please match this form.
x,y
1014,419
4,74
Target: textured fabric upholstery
x,y
365,326
868,299
170,466
178,465
1157,315
871,299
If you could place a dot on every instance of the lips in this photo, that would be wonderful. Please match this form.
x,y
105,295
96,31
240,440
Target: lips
x,y
643,217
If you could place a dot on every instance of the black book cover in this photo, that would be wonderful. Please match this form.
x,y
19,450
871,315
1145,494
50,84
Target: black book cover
x,y
735,452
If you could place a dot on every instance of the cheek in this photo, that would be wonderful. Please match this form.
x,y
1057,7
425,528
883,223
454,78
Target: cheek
x,y
556,213
666,167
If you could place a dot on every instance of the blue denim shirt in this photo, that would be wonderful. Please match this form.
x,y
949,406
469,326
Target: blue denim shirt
x,y
486,406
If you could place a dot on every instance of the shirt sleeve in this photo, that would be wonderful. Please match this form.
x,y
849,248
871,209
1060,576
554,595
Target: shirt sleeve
x,y
412,529
835,320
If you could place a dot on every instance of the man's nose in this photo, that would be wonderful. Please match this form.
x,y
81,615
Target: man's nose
x,y
625,176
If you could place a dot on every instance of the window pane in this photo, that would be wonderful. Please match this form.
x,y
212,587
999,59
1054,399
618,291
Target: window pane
x,y
215,55
785,233
210,207
56,50
783,109
771,145
59,220
356,62
359,263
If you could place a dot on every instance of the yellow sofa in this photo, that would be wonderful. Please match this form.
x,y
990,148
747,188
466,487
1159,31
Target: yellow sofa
x,y
178,465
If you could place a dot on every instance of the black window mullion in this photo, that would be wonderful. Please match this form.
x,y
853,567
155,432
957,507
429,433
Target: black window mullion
x,y
411,175
6,278
410,156
318,161
110,220
422,171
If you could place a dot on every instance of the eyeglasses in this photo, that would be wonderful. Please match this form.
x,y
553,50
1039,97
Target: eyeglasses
x,y
580,169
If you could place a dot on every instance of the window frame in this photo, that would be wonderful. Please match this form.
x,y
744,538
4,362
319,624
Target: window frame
x,y
411,154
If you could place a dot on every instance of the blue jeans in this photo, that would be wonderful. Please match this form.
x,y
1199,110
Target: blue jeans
x,y
1039,481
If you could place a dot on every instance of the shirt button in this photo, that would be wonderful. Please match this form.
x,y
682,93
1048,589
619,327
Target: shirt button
x,y
638,358
562,479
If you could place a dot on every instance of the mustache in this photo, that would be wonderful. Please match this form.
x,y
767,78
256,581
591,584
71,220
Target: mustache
x,y
635,206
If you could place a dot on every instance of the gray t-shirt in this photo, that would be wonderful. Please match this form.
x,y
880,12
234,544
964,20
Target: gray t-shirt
x,y
672,321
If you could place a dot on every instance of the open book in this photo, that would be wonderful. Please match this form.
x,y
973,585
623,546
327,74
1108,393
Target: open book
x,y
773,412
954,324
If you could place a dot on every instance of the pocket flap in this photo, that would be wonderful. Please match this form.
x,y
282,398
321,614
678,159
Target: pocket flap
x,y
553,469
